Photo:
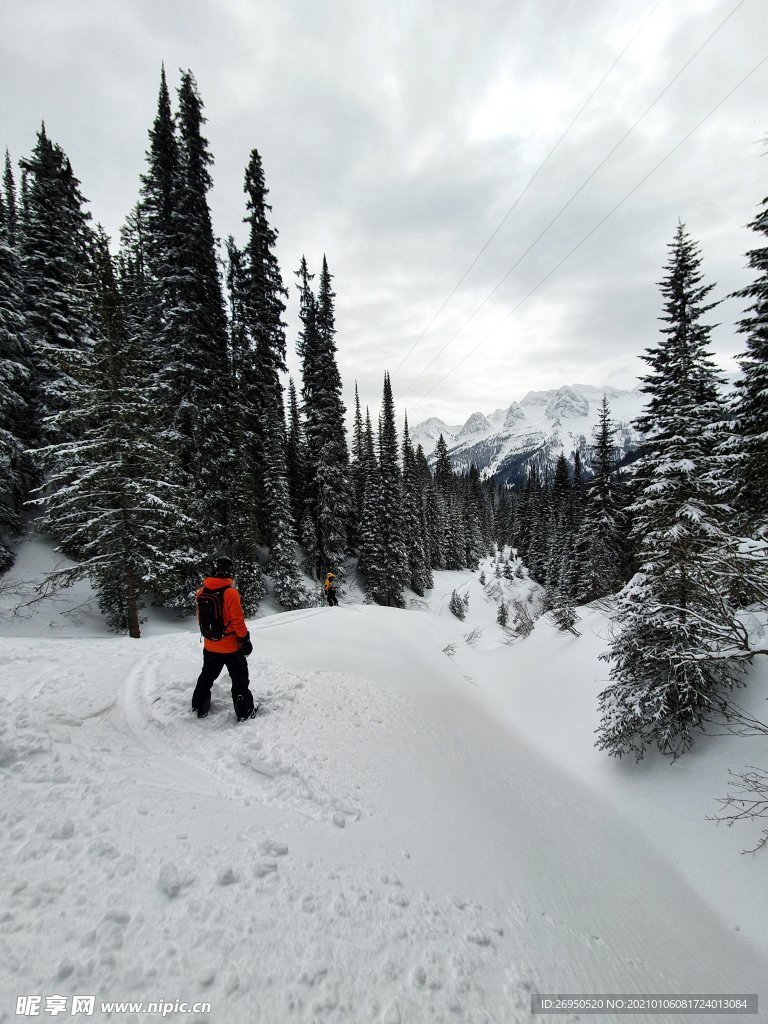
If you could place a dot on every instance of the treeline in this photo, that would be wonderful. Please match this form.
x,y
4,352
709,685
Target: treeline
x,y
142,407
412,521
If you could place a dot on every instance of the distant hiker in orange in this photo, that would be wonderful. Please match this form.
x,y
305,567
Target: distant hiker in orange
x,y
330,590
227,641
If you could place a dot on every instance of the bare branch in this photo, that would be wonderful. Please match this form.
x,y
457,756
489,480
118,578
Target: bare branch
x,y
754,782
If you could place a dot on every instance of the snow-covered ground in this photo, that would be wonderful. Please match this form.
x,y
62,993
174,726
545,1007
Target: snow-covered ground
x,y
414,828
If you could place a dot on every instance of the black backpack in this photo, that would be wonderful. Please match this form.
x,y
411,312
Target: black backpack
x,y
210,613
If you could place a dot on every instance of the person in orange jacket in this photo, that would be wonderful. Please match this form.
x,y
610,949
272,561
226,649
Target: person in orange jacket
x,y
330,590
227,641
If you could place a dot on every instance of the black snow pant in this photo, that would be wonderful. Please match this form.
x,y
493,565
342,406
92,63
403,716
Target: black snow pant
x,y
237,666
332,599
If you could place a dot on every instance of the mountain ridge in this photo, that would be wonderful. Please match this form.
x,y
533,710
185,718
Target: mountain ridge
x,y
542,424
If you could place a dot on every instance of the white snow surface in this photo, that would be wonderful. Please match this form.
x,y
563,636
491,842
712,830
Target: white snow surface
x,y
416,826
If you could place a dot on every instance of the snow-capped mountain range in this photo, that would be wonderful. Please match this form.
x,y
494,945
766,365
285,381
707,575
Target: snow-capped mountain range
x,y
545,422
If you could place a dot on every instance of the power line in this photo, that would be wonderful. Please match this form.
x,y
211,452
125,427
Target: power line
x,y
530,182
601,222
578,191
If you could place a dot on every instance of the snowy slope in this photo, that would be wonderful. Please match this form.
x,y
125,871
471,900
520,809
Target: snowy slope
x,y
547,422
413,829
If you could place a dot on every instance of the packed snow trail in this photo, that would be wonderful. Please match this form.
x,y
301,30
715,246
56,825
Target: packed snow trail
x,y
374,846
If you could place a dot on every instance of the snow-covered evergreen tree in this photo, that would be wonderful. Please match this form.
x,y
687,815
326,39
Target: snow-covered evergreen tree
x,y
453,537
16,428
564,614
156,214
241,533
456,606
372,561
327,461
558,526
434,520
192,371
196,367
419,574
601,536
264,307
294,458
476,520
672,658
10,204
395,555
356,477
105,498
751,405
54,253
443,471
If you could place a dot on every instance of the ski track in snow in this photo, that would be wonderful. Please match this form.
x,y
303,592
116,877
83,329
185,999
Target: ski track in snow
x,y
273,761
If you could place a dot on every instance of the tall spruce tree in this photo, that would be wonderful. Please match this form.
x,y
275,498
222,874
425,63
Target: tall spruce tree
x,y
16,428
372,559
55,244
670,664
197,370
245,492
356,477
104,496
10,205
443,471
158,208
191,373
394,554
327,460
751,404
419,573
264,308
602,528
371,552
558,542
294,458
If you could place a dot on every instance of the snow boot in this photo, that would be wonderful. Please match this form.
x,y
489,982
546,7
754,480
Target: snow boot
x,y
202,706
244,706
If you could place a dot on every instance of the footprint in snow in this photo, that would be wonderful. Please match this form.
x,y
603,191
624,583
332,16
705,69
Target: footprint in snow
x,y
264,867
418,976
274,848
169,880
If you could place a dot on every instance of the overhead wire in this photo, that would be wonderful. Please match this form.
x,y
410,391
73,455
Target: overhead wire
x,y
528,184
578,191
600,223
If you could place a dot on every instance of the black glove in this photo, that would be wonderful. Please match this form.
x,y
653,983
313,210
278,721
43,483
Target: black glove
x,y
246,647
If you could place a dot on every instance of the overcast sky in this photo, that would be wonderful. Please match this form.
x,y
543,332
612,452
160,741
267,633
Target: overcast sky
x,y
395,136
